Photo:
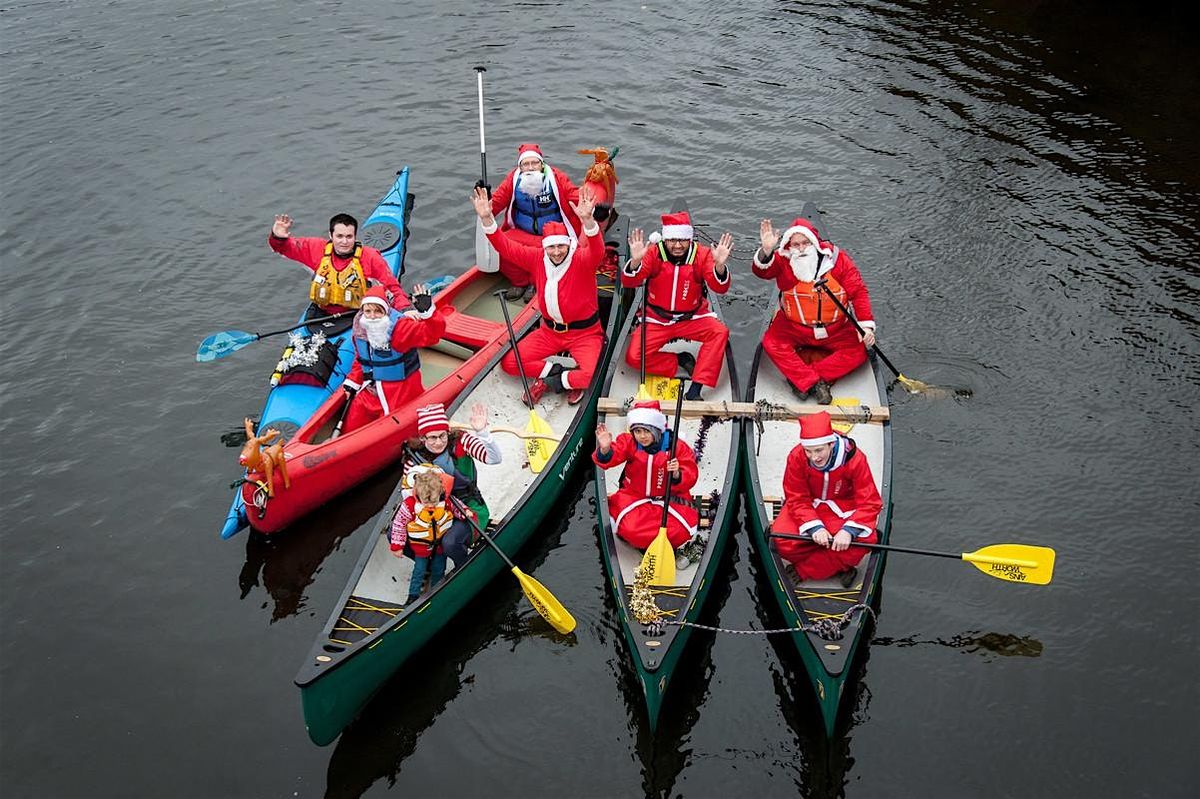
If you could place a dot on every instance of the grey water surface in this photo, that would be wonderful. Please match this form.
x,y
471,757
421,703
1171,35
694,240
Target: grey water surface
x,y
1017,182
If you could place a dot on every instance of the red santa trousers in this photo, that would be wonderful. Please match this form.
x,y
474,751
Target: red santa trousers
x,y
638,518
584,346
366,406
813,561
709,331
845,352
516,275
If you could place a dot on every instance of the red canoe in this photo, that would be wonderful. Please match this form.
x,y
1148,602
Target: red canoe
x,y
320,468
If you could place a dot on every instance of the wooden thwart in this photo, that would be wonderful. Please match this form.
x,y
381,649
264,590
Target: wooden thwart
x,y
858,414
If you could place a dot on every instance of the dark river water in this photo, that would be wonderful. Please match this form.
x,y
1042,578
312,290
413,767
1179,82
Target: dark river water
x,y
1017,182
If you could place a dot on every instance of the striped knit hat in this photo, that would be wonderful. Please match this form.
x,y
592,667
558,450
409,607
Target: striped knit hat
x,y
432,419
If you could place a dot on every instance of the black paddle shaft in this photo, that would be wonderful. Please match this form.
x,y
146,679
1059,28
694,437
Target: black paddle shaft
x,y
466,512
885,547
671,453
822,286
512,336
305,323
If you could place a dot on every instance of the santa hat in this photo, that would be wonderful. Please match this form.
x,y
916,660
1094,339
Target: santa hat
x,y
816,430
647,413
432,419
554,233
805,228
676,226
376,296
529,150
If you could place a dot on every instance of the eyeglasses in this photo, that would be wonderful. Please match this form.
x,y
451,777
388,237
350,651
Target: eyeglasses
x,y
436,436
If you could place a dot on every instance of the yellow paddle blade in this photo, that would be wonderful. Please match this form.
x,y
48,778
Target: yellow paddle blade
x,y
545,603
539,450
659,559
1017,563
661,388
843,427
642,393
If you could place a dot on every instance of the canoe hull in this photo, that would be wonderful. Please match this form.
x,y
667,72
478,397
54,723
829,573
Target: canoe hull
x,y
655,657
340,676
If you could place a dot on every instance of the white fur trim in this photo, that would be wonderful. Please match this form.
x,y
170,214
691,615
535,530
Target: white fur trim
x,y
521,156
492,228
803,231
655,237
676,232
593,230
382,303
816,442
648,417
550,241
867,324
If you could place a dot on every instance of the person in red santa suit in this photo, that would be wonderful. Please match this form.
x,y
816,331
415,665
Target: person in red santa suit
x,y
343,269
563,270
806,269
678,274
386,372
531,196
644,452
830,495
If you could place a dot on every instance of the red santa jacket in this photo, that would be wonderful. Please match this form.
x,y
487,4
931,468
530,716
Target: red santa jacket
x,y
567,292
643,479
406,335
676,289
565,192
310,252
840,266
846,488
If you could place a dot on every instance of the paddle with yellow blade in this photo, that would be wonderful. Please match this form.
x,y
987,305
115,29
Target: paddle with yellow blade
x,y
659,559
910,385
1016,563
653,386
544,602
537,445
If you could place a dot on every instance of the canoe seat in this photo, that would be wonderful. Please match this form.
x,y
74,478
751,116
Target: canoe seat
x,y
707,505
471,331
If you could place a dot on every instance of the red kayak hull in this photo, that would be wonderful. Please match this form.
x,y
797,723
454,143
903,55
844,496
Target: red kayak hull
x,y
320,469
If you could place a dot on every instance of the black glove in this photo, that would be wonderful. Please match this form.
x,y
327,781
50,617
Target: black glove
x,y
601,211
422,302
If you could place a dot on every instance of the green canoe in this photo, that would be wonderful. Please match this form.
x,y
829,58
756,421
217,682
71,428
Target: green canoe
x,y
655,652
371,633
828,663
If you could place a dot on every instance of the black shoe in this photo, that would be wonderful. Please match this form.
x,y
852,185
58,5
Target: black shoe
x,y
514,293
687,362
530,290
848,577
693,392
800,395
822,393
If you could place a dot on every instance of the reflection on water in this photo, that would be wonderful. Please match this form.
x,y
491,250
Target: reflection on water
x,y
287,561
972,642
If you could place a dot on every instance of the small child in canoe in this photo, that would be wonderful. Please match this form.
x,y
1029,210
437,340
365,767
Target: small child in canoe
x,y
420,524
636,506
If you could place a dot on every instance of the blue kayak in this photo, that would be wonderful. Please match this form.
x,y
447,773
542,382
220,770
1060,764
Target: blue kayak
x,y
289,405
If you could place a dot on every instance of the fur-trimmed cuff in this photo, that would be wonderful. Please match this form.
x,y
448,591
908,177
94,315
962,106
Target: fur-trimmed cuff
x,y
866,324
763,264
595,228
810,527
492,228
856,530
351,384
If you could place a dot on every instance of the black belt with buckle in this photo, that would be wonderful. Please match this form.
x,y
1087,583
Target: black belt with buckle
x,y
578,324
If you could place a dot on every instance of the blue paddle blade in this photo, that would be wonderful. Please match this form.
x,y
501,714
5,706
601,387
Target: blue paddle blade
x,y
218,345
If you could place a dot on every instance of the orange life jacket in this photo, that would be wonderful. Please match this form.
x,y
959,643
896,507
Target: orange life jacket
x,y
333,287
430,523
806,304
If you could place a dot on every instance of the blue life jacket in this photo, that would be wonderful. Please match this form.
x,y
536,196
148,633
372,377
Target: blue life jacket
x,y
530,213
386,365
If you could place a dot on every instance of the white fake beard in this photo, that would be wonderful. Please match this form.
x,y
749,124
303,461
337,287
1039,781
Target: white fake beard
x,y
804,265
377,332
531,183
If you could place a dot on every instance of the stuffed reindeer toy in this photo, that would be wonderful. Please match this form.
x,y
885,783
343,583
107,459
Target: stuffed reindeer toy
x,y
257,459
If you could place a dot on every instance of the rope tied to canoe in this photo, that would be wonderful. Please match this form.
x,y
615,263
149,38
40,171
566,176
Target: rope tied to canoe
x,y
647,612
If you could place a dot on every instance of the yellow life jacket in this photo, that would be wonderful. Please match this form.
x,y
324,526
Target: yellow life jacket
x,y
430,523
333,287
806,304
